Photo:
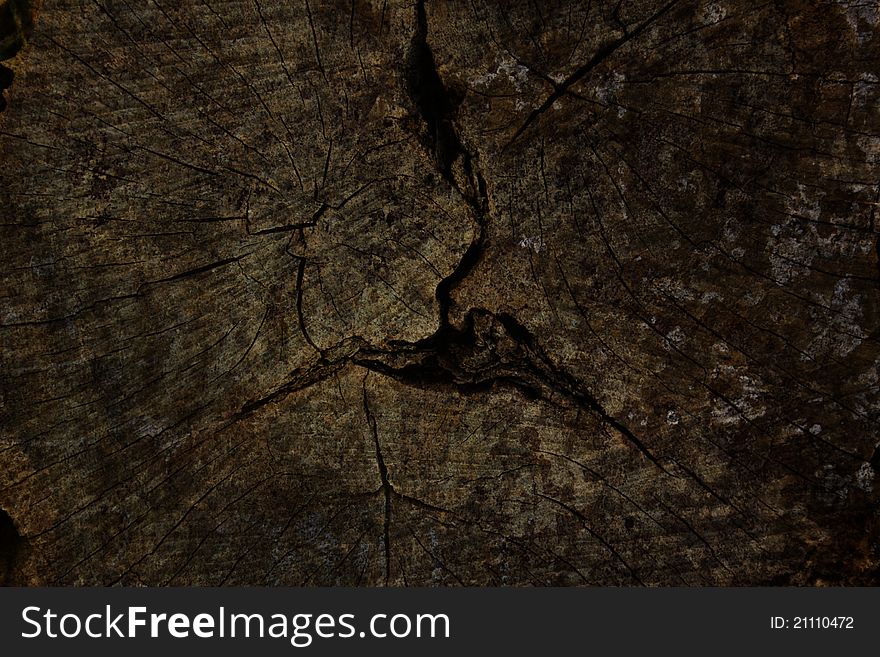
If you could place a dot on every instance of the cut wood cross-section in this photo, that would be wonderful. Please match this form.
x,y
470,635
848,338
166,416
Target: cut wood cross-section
x,y
375,292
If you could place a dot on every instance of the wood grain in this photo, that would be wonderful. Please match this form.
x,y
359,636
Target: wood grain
x,y
449,293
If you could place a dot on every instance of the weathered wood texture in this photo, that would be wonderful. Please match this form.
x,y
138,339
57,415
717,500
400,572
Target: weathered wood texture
x,y
374,292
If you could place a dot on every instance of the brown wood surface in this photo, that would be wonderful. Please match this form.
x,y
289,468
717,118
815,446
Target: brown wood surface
x,y
444,293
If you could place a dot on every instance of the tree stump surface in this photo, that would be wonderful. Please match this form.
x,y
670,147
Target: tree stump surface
x,y
439,293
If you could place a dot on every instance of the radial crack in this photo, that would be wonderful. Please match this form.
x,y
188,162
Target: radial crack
x,y
386,486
